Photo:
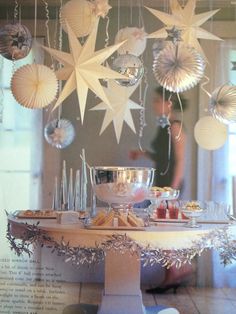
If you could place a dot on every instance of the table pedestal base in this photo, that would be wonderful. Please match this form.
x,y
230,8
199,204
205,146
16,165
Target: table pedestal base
x,y
122,294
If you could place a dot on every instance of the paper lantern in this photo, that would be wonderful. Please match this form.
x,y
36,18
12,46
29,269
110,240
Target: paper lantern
x,y
223,104
15,41
59,133
209,133
136,40
130,66
34,86
178,68
80,15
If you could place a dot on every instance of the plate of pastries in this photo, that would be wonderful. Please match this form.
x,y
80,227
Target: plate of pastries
x,y
116,220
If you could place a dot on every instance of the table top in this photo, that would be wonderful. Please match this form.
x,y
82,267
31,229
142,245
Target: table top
x,y
161,234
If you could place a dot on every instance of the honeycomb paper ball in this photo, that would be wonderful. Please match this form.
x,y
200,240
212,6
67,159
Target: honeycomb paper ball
x,y
209,133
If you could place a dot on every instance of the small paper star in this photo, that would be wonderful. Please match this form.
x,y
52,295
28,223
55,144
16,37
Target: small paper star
x,y
163,121
101,8
174,34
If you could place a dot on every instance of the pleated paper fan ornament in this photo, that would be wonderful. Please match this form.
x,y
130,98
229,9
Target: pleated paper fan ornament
x,y
178,68
223,104
34,86
209,133
80,15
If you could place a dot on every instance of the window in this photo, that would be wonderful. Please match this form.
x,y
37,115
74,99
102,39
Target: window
x,y
20,139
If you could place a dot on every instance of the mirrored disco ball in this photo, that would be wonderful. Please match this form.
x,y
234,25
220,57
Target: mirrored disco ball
x,y
223,104
130,66
59,133
15,41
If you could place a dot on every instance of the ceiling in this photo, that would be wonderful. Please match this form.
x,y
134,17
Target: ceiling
x,y
228,11
151,3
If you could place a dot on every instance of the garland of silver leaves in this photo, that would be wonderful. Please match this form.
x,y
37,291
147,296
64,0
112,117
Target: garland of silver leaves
x,y
218,239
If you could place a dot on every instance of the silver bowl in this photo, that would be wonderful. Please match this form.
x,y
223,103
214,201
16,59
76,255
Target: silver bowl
x,y
121,186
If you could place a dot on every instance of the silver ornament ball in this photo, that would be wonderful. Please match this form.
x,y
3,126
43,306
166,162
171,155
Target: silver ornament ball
x,y
15,41
130,66
59,133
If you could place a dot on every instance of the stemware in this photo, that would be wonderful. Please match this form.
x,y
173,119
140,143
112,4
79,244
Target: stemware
x,y
192,210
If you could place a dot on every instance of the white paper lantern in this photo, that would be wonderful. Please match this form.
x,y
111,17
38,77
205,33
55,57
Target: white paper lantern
x,y
80,15
209,133
136,40
34,86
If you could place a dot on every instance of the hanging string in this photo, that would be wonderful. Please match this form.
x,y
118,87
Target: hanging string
x,y
35,18
16,10
131,12
118,16
20,14
142,98
47,28
142,116
107,31
178,136
202,86
60,65
163,173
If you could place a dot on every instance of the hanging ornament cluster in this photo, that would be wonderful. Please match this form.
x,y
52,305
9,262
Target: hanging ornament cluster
x,y
209,133
81,15
223,104
186,20
135,40
34,86
131,67
82,68
59,133
15,41
178,68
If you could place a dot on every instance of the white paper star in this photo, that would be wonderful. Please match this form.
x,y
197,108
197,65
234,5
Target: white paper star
x,y
82,68
121,106
185,19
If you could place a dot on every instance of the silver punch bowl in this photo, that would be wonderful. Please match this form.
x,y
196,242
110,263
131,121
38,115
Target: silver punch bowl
x,y
120,186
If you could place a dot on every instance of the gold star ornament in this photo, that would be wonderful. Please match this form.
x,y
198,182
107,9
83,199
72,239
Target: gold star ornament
x,y
121,106
82,68
186,20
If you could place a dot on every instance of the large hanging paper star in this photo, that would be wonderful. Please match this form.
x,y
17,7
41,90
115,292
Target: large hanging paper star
x,y
82,68
185,19
121,106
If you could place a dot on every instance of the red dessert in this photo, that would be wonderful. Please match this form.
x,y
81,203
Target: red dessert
x,y
161,211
